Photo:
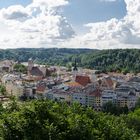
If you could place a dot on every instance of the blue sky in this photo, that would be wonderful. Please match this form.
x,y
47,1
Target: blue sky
x,y
80,12
85,11
94,24
6,3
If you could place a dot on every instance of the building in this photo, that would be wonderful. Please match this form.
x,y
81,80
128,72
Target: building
x,y
109,96
58,95
106,83
36,72
41,88
73,84
75,70
13,84
97,100
79,97
126,96
6,65
29,91
83,80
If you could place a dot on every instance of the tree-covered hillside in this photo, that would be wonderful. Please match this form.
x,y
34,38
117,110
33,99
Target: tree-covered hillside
x,y
127,60
50,56
47,120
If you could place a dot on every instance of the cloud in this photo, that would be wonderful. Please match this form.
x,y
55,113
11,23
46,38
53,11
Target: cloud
x,y
50,3
114,33
16,12
40,22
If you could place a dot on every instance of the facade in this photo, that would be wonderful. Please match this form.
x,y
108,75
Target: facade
x,y
131,101
14,88
35,72
126,96
80,98
90,100
6,65
58,95
106,83
122,101
29,91
13,84
94,99
109,96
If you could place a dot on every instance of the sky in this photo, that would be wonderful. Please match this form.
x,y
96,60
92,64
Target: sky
x,y
95,24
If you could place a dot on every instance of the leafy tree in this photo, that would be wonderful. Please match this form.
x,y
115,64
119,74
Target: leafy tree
x,y
111,108
133,120
20,68
43,119
2,90
137,103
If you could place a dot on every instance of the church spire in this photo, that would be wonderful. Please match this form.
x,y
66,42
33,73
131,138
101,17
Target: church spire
x,y
75,66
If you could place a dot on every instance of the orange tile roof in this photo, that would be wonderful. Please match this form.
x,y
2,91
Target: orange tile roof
x,y
109,82
96,93
83,80
73,84
41,88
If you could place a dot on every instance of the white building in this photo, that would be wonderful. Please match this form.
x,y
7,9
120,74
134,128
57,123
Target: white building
x,y
79,97
108,96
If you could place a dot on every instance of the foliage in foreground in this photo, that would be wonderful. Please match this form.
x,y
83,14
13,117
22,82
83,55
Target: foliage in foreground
x,y
47,120
2,90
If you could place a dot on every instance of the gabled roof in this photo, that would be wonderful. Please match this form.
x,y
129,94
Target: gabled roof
x,y
134,79
41,87
83,80
6,62
96,93
73,84
109,81
35,71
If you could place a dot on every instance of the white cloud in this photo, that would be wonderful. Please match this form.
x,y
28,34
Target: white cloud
x,y
41,24
50,3
16,12
114,33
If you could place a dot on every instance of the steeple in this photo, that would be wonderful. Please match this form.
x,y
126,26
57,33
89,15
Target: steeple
x,y
75,66
75,70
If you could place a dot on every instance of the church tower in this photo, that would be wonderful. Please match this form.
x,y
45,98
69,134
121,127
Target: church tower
x,y
75,70
30,65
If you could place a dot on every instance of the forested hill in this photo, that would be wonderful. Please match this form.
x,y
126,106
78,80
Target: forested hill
x,y
51,55
127,60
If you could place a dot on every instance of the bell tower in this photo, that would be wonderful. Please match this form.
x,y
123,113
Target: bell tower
x,y
75,70
30,65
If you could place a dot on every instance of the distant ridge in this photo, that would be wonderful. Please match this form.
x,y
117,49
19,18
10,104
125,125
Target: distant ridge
x,y
117,60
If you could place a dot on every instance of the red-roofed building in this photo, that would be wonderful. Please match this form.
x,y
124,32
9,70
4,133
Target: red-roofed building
x,y
40,88
37,73
106,83
94,99
73,84
83,80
